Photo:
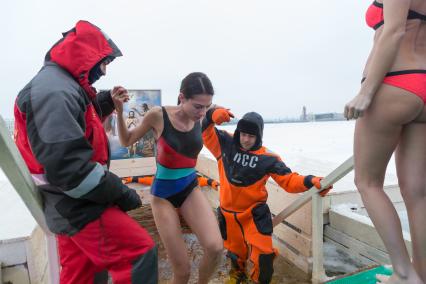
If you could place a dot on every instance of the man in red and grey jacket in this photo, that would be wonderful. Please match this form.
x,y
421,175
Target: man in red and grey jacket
x,y
59,133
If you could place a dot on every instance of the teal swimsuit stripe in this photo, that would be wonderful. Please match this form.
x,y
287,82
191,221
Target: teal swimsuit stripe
x,y
172,174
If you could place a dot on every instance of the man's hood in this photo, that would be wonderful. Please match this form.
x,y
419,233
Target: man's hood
x,y
80,49
251,123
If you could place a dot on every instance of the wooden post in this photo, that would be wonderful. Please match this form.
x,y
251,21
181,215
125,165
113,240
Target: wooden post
x,y
52,258
17,172
318,272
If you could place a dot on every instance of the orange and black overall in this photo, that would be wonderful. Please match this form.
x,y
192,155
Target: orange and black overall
x,y
244,217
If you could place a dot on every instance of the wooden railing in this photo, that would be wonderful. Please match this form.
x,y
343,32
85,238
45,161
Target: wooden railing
x,y
17,172
318,272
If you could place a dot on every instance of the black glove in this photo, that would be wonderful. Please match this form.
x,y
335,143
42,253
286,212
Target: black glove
x,y
129,200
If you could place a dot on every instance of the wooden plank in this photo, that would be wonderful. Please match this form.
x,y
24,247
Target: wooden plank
x,y
355,227
16,274
13,252
207,167
133,167
357,248
330,179
293,256
37,260
299,241
17,172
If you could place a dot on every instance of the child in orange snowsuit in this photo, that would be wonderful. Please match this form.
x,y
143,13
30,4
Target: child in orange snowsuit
x,y
244,167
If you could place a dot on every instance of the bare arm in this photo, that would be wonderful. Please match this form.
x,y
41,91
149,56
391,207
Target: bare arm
x,y
150,121
387,45
395,16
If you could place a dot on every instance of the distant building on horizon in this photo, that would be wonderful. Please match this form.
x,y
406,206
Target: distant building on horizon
x,y
330,116
304,116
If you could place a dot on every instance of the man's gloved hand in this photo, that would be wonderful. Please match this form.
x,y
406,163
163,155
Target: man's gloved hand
x,y
221,115
129,200
317,183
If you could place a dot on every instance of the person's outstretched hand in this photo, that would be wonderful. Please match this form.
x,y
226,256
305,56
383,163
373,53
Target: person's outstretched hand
x,y
317,183
221,115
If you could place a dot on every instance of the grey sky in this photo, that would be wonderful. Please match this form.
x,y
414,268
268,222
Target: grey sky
x,y
268,56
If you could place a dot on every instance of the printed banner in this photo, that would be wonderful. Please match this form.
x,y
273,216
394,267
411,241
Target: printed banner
x,y
134,110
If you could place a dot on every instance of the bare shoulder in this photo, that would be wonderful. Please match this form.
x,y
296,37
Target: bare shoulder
x,y
154,113
154,117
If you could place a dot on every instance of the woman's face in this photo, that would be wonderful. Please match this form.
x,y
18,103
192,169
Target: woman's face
x,y
196,107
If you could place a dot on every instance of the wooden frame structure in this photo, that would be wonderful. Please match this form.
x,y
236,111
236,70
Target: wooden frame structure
x,y
17,172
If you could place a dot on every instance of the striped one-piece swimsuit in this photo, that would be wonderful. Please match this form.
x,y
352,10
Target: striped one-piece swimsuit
x,y
176,157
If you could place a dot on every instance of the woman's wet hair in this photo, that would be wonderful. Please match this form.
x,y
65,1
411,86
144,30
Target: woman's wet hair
x,y
196,83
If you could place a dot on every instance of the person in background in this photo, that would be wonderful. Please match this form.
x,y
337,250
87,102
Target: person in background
x,y
59,133
177,131
244,168
391,115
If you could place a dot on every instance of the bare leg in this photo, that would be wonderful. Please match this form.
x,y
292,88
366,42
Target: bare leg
x,y
198,213
376,137
168,225
411,168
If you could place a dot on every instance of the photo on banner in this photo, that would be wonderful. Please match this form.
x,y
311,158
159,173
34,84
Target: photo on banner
x,y
139,103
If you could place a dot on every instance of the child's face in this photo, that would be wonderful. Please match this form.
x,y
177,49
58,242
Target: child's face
x,y
247,141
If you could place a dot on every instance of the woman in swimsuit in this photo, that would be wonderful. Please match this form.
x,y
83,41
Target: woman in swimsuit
x,y
391,113
177,130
